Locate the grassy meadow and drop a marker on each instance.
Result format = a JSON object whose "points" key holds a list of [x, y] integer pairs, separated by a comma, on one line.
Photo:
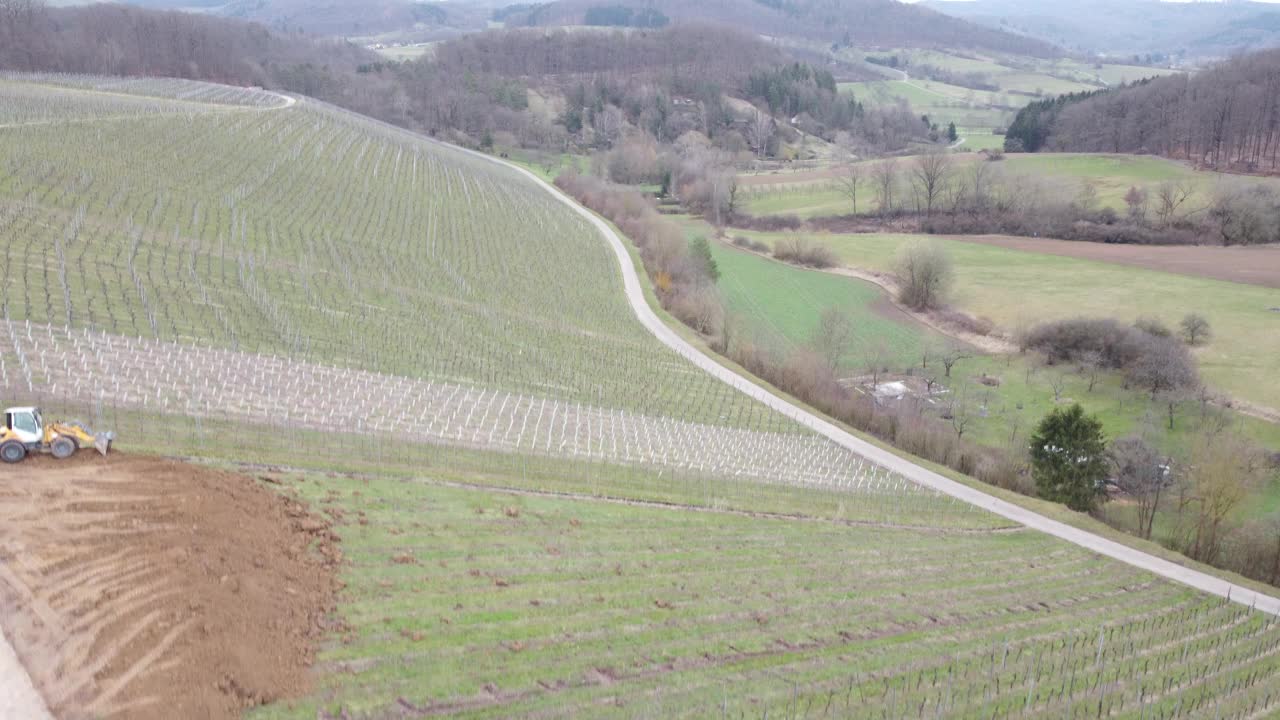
{"points": [[781, 305], [1056, 177], [1015, 288]]}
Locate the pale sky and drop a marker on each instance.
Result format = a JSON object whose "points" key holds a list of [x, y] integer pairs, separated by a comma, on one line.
{"points": [[1033, 1]]}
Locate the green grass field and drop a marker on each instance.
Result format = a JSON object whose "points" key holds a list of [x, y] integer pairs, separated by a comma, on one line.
{"points": [[481, 603], [782, 303], [941, 102], [1018, 79], [1055, 177], [1015, 288], [779, 303]]}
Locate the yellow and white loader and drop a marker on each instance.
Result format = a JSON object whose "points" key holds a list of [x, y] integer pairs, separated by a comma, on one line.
{"points": [[25, 432]]}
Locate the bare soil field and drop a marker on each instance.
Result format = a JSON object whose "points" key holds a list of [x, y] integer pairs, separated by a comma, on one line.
{"points": [[1256, 265], [145, 588]]}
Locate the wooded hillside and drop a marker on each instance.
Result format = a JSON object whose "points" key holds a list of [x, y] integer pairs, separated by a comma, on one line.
{"points": [[1226, 117], [864, 23]]}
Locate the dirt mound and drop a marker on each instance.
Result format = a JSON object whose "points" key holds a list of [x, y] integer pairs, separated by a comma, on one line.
{"points": [[147, 588]]}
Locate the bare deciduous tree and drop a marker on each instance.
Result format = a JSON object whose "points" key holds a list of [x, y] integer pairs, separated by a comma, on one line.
{"points": [[760, 132], [1057, 382], [959, 414], [876, 357], [833, 337], [1195, 329], [930, 175], [1163, 365], [1087, 195], [1170, 196], [884, 177], [1223, 470], [1142, 474], [925, 274], [953, 354], [982, 177], [1136, 200], [849, 180], [1091, 364]]}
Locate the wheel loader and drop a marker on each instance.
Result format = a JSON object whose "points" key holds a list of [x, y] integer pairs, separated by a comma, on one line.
{"points": [[25, 431]]}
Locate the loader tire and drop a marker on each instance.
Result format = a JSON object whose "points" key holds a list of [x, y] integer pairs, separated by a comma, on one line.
{"points": [[12, 451], [63, 447]]}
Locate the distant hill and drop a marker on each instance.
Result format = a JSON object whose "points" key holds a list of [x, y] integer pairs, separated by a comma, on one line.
{"points": [[341, 18], [1225, 117], [1178, 31], [862, 23]]}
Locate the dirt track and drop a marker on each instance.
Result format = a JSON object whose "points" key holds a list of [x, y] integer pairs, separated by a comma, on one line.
{"points": [[145, 588]]}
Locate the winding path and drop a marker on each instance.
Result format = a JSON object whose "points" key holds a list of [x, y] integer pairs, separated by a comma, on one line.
{"points": [[1090, 541]]}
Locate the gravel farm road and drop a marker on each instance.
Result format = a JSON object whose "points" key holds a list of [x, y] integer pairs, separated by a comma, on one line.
{"points": [[1090, 541], [18, 698]]}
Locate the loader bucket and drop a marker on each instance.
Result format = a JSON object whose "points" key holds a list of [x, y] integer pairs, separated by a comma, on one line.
{"points": [[102, 442]]}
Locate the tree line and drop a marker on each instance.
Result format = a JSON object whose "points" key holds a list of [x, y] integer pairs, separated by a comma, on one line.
{"points": [[865, 23], [474, 90], [938, 194]]}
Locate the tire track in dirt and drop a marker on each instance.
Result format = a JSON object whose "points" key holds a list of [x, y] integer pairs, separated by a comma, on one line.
{"points": [[147, 588]]}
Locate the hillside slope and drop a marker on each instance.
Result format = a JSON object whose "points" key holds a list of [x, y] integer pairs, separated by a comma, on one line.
{"points": [[1172, 30], [1226, 117], [272, 280], [863, 23]]}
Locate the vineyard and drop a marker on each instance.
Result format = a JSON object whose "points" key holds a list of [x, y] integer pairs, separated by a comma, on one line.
{"points": [[545, 511], [311, 270], [488, 604]]}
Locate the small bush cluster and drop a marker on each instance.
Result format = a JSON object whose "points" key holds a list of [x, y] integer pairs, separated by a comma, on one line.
{"points": [[801, 251], [747, 243], [1147, 352]]}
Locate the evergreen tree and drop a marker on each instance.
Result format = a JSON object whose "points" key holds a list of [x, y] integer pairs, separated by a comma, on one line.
{"points": [[1068, 458], [952, 135], [700, 251]]}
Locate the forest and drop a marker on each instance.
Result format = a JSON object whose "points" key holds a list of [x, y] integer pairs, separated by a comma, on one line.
{"points": [[599, 86], [1226, 117]]}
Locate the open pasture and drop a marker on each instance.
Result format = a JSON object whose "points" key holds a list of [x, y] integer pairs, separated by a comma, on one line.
{"points": [[781, 304], [1052, 177], [479, 603], [1017, 287], [941, 102]]}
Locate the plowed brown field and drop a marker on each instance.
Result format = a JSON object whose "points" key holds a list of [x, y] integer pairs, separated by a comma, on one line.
{"points": [[137, 587]]}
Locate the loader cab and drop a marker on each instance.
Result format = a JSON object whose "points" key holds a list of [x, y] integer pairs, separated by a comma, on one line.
{"points": [[26, 424]]}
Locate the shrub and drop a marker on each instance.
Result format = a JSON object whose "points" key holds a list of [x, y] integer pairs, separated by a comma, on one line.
{"points": [[749, 244], [967, 323], [1072, 340], [800, 251], [1153, 326], [1195, 329], [925, 274]]}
